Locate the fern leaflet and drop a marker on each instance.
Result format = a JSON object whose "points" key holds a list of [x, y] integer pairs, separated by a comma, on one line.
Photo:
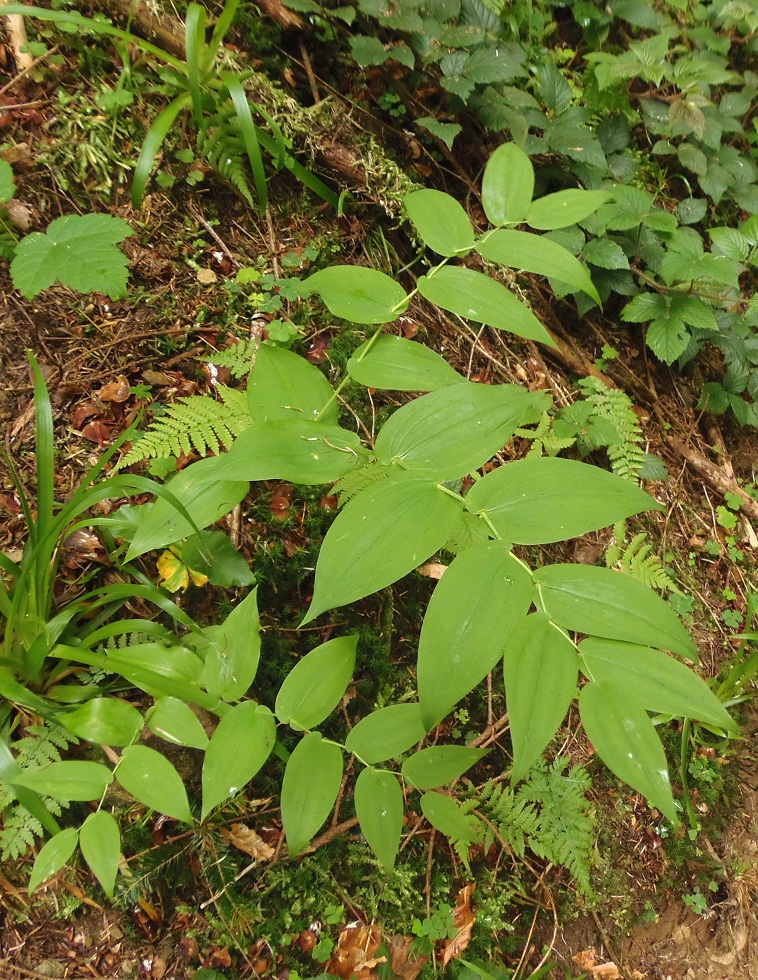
{"points": [[222, 147], [239, 357], [625, 453], [359, 479], [635, 559]]}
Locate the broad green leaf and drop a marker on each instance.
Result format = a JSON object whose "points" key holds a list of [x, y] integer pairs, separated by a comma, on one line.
{"points": [[439, 765], [540, 669], [100, 842], [71, 779], [473, 295], [386, 733], [53, 856], [311, 782], [152, 779], [356, 293], [78, 251], [242, 742], [564, 208], [315, 685], [233, 651], [7, 186], [476, 604], [174, 721], [455, 430], [626, 740], [212, 553], [378, 537], [444, 814], [299, 451], [205, 497], [379, 807], [105, 721], [442, 130], [402, 365], [440, 221], [284, 386], [653, 680], [544, 499], [603, 602], [507, 185], [537, 254], [172, 663]]}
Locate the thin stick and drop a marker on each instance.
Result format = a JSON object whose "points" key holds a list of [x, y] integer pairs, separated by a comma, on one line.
{"points": [[25, 71]]}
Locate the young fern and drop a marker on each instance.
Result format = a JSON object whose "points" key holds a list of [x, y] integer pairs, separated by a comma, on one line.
{"points": [[222, 147], [626, 455], [636, 559], [196, 422], [238, 357]]}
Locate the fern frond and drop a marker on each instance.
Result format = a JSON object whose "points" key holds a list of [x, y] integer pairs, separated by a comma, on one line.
{"points": [[636, 559], [625, 452], [359, 479], [195, 422], [546, 441], [239, 357], [222, 147]]}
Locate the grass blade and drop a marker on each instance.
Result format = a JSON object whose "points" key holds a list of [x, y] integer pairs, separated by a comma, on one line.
{"points": [[223, 24], [153, 142], [194, 43], [250, 137]]}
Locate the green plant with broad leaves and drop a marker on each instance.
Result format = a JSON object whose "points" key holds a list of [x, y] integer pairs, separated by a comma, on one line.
{"points": [[228, 138], [549, 632]]}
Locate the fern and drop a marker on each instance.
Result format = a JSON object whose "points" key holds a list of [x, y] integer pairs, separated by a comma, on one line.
{"points": [[359, 479], [7, 239], [222, 147], [195, 422], [41, 745], [548, 438], [625, 453], [510, 814], [239, 357], [635, 559]]}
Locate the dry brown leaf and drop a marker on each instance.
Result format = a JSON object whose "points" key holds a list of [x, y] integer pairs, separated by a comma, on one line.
{"points": [[432, 569], [247, 840], [355, 952], [115, 391], [402, 966], [464, 918], [587, 960]]}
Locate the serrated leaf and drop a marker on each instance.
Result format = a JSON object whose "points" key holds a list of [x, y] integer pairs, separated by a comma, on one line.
{"points": [[626, 740], [476, 603], [53, 856], [667, 338], [367, 50], [213, 555], [405, 520], [473, 295], [402, 365], [540, 669], [242, 742], [100, 843], [555, 90], [507, 185], [646, 306], [315, 685], [545, 499], [151, 779], [386, 733], [442, 130], [284, 386], [605, 254], [174, 721], [379, 808], [232, 651], [439, 765], [455, 430], [537, 254], [311, 782], [445, 815], [104, 721], [564, 208], [654, 681], [440, 221], [78, 251], [359, 294], [606, 603]]}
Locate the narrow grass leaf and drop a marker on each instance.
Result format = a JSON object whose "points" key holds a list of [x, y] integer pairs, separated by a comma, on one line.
{"points": [[151, 146], [194, 46], [249, 137], [379, 808], [309, 789]]}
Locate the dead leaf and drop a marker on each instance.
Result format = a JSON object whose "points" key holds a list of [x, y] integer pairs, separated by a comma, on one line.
{"points": [[587, 960], [247, 840], [115, 391], [432, 569], [206, 277], [355, 952], [464, 918], [98, 432], [281, 499], [402, 965], [216, 958]]}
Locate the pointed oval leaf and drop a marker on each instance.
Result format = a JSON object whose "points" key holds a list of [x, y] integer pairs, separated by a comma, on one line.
{"points": [[314, 687], [444, 814], [540, 669], [451, 432], [401, 365], [311, 782], [172, 663], [610, 604], [481, 597], [537, 254], [152, 779], [386, 733], [564, 208], [378, 537], [242, 742], [475, 296], [232, 651], [174, 721], [654, 681], [100, 842], [626, 740], [296, 450], [545, 499], [507, 185], [440, 221], [71, 779], [439, 765], [53, 856], [379, 808], [104, 721], [284, 386], [356, 293]]}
